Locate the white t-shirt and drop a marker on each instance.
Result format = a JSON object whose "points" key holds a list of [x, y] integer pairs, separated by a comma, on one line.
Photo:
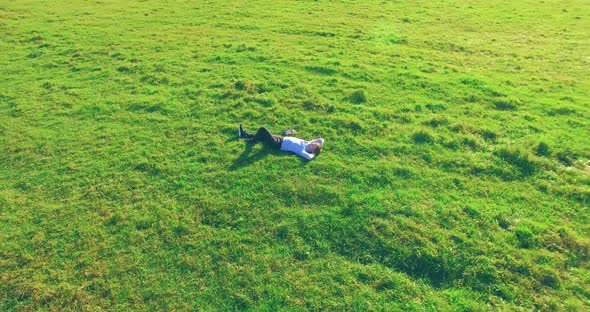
{"points": [[299, 146]]}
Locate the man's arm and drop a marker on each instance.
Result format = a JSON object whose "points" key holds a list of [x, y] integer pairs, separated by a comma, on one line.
{"points": [[320, 141], [307, 155]]}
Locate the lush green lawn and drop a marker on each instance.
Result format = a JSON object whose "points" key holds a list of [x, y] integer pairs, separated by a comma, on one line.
{"points": [[455, 174]]}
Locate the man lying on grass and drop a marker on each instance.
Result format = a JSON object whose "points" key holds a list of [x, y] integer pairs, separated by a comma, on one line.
{"points": [[305, 149]]}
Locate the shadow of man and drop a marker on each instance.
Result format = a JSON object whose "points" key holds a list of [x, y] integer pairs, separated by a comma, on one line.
{"points": [[247, 158]]}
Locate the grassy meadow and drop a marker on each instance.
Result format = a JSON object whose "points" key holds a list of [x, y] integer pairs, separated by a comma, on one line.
{"points": [[455, 174]]}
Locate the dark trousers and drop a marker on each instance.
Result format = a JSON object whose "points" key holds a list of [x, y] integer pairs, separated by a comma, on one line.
{"points": [[264, 136]]}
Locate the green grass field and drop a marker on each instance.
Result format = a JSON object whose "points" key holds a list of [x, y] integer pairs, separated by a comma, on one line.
{"points": [[455, 174]]}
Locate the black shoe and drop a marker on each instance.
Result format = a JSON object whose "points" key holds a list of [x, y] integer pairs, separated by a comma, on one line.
{"points": [[240, 132]]}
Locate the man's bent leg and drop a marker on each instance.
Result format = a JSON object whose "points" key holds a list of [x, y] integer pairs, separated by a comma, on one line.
{"points": [[264, 136]]}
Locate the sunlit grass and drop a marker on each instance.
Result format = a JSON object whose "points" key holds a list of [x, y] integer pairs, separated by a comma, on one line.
{"points": [[455, 174]]}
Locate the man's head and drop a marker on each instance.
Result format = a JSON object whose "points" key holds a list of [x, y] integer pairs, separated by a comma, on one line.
{"points": [[315, 148]]}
